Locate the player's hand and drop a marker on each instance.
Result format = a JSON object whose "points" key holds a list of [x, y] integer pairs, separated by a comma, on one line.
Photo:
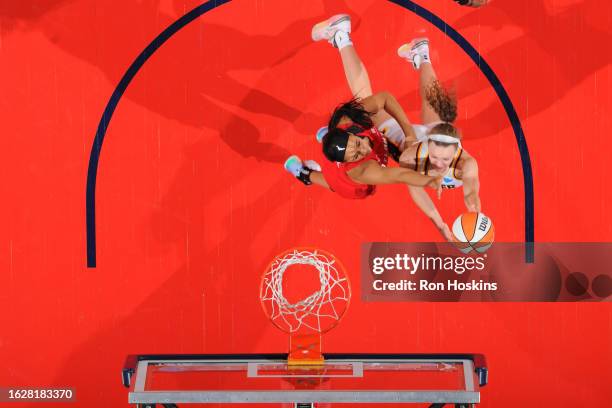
{"points": [[472, 208], [477, 3], [436, 184], [472, 202]]}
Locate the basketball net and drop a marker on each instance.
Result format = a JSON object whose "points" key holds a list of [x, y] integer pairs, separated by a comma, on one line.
{"points": [[316, 313]]}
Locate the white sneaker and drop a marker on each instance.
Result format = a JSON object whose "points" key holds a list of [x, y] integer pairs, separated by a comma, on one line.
{"points": [[295, 166], [416, 51], [326, 30], [312, 165]]}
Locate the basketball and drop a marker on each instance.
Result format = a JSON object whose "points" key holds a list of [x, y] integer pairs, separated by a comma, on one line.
{"points": [[473, 232]]}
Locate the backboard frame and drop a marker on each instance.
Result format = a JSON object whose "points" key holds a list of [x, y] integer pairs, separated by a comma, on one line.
{"points": [[474, 366]]}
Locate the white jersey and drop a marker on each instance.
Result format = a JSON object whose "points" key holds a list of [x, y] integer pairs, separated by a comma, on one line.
{"points": [[393, 132]]}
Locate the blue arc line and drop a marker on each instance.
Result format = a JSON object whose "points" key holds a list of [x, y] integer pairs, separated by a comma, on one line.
{"points": [[94, 158]]}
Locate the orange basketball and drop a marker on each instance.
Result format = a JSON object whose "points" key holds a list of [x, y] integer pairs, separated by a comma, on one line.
{"points": [[474, 232]]}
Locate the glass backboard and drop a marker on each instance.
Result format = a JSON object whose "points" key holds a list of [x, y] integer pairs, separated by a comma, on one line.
{"points": [[269, 379]]}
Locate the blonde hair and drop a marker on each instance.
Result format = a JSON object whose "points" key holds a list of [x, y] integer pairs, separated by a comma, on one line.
{"points": [[444, 128]]}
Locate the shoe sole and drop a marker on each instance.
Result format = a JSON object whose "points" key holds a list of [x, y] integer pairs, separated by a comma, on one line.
{"points": [[404, 50], [330, 22], [321, 133], [288, 160]]}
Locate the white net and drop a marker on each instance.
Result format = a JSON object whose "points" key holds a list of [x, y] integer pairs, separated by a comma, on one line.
{"points": [[318, 312]]}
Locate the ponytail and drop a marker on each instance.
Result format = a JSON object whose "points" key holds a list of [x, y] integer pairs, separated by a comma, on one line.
{"points": [[442, 101], [355, 111]]}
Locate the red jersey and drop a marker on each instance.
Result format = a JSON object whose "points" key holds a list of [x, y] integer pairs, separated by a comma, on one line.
{"points": [[335, 173]]}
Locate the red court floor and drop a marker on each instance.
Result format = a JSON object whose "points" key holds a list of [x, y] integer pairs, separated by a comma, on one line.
{"points": [[192, 200]]}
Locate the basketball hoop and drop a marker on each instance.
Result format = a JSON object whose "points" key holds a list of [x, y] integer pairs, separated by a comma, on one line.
{"points": [[316, 312]]}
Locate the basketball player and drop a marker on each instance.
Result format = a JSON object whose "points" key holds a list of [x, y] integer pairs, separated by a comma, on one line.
{"points": [[433, 148], [438, 149], [358, 152]]}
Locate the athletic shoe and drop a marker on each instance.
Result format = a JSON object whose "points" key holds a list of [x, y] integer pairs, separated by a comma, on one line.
{"points": [[312, 165], [416, 51], [294, 165], [300, 170], [321, 134], [325, 30]]}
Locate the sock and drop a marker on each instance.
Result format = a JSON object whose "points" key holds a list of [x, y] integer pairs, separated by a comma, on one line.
{"points": [[423, 59], [341, 40], [420, 58]]}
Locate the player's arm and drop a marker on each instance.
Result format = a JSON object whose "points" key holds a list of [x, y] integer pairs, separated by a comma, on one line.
{"points": [[424, 202], [372, 173], [387, 102], [316, 177], [471, 185]]}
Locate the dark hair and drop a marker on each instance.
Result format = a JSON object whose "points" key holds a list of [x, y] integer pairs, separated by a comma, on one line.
{"points": [[355, 111], [442, 101], [335, 137]]}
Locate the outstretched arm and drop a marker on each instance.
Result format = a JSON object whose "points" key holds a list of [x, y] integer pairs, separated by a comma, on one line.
{"points": [[471, 185], [424, 202], [317, 178], [371, 173], [387, 102]]}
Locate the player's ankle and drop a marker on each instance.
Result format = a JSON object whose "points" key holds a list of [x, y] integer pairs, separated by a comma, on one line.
{"points": [[419, 60], [341, 39]]}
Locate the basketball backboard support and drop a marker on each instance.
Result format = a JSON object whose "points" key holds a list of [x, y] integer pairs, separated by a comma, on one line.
{"points": [[436, 379]]}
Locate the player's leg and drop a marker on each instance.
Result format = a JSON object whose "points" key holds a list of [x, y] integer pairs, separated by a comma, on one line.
{"points": [[356, 73], [336, 30], [417, 53], [308, 171], [437, 103]]}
